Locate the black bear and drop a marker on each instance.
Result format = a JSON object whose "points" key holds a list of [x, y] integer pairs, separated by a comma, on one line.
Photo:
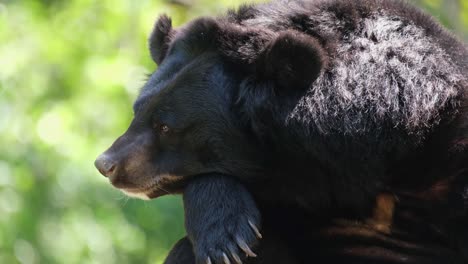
{"points": [[327, 119]]}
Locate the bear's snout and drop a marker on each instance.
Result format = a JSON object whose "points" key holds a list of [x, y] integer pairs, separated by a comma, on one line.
{"points": [[105, 165], [127, 163]]}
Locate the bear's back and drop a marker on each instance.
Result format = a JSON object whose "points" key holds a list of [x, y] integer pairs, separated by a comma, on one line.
{"points": [[390, 64]]}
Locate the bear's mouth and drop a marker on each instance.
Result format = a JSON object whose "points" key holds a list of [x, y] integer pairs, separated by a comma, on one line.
{"points": [[162, 185]]}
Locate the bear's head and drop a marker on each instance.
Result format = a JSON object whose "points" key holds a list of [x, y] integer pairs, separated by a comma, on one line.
{"points": [[190, 116]]}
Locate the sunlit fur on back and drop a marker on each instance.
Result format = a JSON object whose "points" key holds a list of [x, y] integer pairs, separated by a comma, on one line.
{"points": [[389, 63], [388, 70]]}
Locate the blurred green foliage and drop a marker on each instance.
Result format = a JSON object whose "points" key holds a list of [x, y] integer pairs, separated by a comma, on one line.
{"points": [[69, 71]]}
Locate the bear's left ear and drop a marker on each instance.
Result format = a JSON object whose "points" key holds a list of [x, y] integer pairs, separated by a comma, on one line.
{"points": [[292, 60], [160, 38]]}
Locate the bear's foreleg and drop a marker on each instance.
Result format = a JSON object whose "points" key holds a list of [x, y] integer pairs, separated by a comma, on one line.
{"points": [[222, 219]]}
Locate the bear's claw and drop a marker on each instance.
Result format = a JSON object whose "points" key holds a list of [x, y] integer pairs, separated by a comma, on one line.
{"points": [[255, 229], [236, 257], [241, 243], [226, 259]]}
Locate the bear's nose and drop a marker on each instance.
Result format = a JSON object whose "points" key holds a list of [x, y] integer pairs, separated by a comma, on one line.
{"points": [[105, 165]]}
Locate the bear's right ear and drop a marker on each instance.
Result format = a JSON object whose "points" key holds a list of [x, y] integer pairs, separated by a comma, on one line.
{"points": [[160, 38], [292, 60]]}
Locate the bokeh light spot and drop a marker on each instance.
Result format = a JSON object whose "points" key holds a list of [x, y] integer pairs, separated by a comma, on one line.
{"points": [[25, 252]]}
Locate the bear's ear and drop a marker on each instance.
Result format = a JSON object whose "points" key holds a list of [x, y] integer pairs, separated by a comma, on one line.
{"points": [[160, 38], [292, 60], [201, 35]]}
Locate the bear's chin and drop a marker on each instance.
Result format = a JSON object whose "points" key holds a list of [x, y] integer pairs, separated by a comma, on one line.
{"points": [[142, 196], [165, 184]]}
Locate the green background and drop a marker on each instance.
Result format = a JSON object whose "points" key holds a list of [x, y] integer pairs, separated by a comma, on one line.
{"points": [[69, 71]]}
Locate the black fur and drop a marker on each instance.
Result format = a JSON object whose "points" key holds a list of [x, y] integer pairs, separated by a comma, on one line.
{"points": [[181, 253], [316, 107], [271, 251]]}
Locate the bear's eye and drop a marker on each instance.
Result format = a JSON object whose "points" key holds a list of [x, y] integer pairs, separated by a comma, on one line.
{"points": [[162, 128]]}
